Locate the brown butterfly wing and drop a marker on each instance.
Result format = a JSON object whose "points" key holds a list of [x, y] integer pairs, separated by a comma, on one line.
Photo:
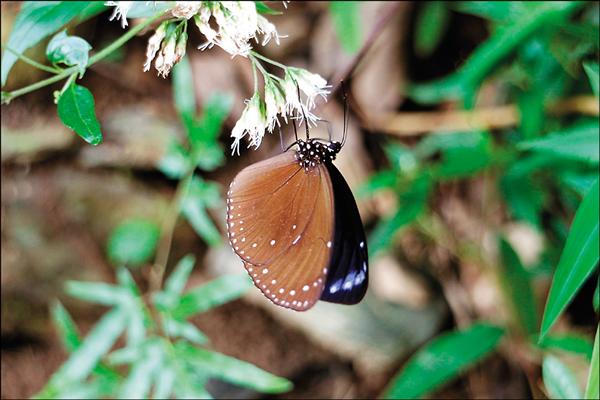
{"points": [[280, 222]]}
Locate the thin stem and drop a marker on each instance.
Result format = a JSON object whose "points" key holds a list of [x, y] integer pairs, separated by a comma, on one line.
{"points": [[94, 59], [275, 63], [31, 62], [254, 63], [68, 83], [168, 226]]}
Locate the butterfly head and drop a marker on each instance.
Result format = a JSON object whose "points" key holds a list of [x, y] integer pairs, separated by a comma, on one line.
{"points": [[313, 152]]}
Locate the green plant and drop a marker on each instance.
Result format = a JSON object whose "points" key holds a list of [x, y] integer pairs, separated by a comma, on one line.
{"points": [[539, 54]]}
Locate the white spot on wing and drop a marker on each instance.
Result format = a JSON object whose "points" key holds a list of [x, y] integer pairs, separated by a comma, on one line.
{"points": [[305, 288], [273, 242]]}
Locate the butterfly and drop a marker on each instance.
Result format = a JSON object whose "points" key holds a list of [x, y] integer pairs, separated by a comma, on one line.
{"points": [[293, 221]]}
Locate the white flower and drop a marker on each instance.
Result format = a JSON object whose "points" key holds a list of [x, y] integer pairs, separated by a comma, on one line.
{"points": [[154, 44], [237, 22], [268, 30], [312, 85], [186, 9], [120, 11], [275, 104], [251, 123], [294, 103], [180, 48], [166, 58]]}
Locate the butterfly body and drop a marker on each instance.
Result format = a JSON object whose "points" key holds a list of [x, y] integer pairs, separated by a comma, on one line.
{"points": [[294, 223]]}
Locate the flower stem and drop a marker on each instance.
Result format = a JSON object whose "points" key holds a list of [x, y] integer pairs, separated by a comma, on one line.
{"points": [[32, 62], [275, 63], [168, 226], [94, 59]]}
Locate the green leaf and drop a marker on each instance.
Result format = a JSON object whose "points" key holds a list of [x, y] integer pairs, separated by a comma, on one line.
{"points": [[164, 383], [502, 43], [521, 192], [216, 110], [35, 21], [431, 25], [571, 343], [578, 260], [463, 154], [517, 285], [178, 278], [559, 380], [201, 195], [133, 242], [175, 163], [208, 156], [443, 359], [183, 329], [211, 295], [77, 111], [98, 292], [69, 50], [262, 8], [413, 202], [97, 343], [232, 370], [143, 9], [183, 89], [580, 142], [592, 71], [592, 390], [346, 20], [497, 11], [596, 299], [138, 382], [380, 180], [65, 326]]}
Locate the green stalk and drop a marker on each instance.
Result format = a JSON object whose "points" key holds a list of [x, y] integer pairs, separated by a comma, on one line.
{"points": [[94, 59]]}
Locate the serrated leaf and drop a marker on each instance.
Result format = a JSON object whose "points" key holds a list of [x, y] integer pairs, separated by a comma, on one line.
{"points": [[592, 390], [212, 294], [443, 359], [559, 380], [37, 20], [233, 370], [66, 327], [517, 285], [77, 111], [578, 260], [133, 242], [592, 70], [69, 50], [346, 20], [178, 278]]}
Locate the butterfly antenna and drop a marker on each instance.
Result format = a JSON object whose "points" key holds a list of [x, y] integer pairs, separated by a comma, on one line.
{"points": [[281, 138], [295, 130], [345, 97], [302, 109]]}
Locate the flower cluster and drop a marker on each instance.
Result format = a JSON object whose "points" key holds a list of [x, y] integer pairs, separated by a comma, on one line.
{"points": [[232, 25], [282, 99]]}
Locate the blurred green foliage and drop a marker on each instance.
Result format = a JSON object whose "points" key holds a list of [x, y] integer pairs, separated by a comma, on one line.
{"points": [[161, 356], [133, 242], [545, 169]]}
